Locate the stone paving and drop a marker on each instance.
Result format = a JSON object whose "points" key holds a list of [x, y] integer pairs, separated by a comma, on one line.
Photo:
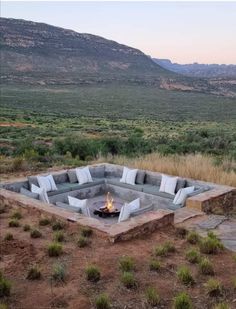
{"points": [[223, 227]]}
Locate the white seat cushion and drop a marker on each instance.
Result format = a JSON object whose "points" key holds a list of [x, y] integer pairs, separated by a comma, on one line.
{"points": [[47, 182], [182, 194], [129, 176], [41, 192], [168, 184], [83, 175], [81, 204]]}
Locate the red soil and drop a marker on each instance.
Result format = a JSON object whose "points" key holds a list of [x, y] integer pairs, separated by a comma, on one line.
{"points": [[17, 255]]}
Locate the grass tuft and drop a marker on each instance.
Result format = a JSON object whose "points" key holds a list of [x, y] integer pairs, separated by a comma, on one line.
{"points": [[58, 225], [209, 245], [34, 273], [8, 237], [59, 272], [193, 256], [126, 263], [59, 236], [54, 249], [26, 227], [86, 232], [154, 265], [206, 267], [193, 237], [16, 215], [182, 301], [185, 276], [82, 242], [5, 286], [152, 297], [128, 280], [44, 221], [221, 306], [213, 287], [102, 302], [14, 223], [93, 273], [35, 233]]}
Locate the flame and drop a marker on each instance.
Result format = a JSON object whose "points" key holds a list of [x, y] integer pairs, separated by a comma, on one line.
{"points": [[109, 202]]}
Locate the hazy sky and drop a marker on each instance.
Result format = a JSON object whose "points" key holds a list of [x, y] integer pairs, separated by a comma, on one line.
{"points": [[184, 32]]}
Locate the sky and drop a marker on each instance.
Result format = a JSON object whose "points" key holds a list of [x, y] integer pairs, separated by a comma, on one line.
{"points": [[184, 32]]}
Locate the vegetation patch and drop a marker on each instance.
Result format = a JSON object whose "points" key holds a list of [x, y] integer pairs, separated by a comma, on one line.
{"points": [[193, 256], [14, 223], [206, 267], [210, 245], [86, 232], [154, 265], [93, 273], [182, 301], [59, 272], [185, 276], [55, 249], [34, 273], [5, 286], [102, 301], [193, 237], [213, 287], [152, 296], [44, 221], [126, 263], [35, 233], [83, 242], [57, 226], [8, 237], [59, 236], [26, 228], [16, 215], [128, 280]]}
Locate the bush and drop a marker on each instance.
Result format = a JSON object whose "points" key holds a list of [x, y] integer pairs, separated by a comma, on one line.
{"points": [[184, 275], [59, 272], [206, 267], [8, 237], [152, 296], [16, 215], [26, 227], [210, 245], [44, 221], [59, 236], [35, 233], [93, 273], [193, 237], [102, 302], [14, 223], [126, 263], [154, 265], [221, 306], [193, 256], [182, 301], [54, 249], [128, 280], [86, 232], [213, 287], [82, 242], [5, 287], [34, 273], [58, 225]]}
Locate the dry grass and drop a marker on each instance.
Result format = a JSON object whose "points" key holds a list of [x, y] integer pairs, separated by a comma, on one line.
{"points": [[192, 166]]}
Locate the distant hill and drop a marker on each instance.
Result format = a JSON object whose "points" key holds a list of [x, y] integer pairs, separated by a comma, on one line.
{"points": [[37, 52], [199, 70]]}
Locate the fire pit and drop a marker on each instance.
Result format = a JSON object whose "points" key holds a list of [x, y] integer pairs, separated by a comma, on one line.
{"points": [[108, 207]]}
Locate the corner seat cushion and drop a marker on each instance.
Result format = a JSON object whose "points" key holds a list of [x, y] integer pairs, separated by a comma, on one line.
{"points": [[154, 190], [116, 182], [67, 207], [174, 207], [61, 188]]}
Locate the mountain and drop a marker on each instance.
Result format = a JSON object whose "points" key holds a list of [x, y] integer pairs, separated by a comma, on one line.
{"points": [[199, 70], [40, 53]]}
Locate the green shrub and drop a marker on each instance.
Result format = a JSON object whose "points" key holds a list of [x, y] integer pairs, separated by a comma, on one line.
{"points": [[54, 249], [16, 215], [193, 256], [206, 267], [128, 280], [102, 302], [5, 287], [210, 245], [8, 237], [34, 273], [58, 236], [184, 275], [14, 223], [86, 231], [35, 233], [26, 227], [59, 272], [93, 273], [221, 306], [154, 265], [57, 226], [193, 237], [182, 301], [152, 297], [126, 263], [213, 287], [44, 221], [82, 242]]}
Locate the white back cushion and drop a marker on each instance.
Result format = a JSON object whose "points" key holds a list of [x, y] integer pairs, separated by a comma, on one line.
{"points": [[124, 213], [81, 204], [83, 175], [182, 194], [129, 176], [168, 184], [41, 192], [47, 182], [134, 205]]}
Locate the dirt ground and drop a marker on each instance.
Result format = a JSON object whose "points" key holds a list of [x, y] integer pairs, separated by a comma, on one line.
{"points": [[17, 255]]}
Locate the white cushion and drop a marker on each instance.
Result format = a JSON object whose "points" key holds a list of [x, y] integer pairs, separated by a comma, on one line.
{"points": [[182, 194], [124, 213], [81, 204], [47, 182], [83, 175], [134, 205], [129, 176], [41, 192], [168, 184]]}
